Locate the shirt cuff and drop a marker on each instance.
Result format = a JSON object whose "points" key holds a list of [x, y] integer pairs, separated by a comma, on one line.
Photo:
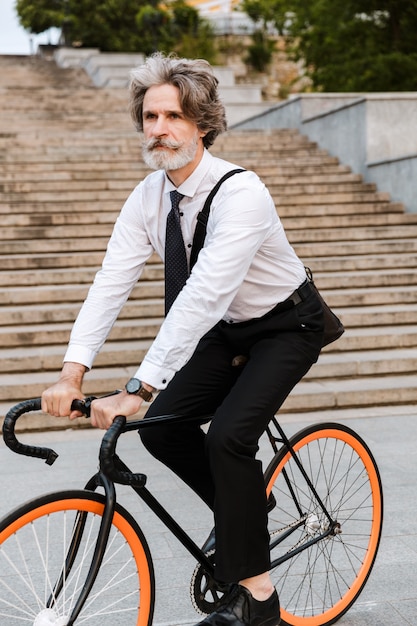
{"points": [[153, 375], [80, 354]]}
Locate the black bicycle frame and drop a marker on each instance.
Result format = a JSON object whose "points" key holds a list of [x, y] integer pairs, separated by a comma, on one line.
{"points": [[106, 480]]}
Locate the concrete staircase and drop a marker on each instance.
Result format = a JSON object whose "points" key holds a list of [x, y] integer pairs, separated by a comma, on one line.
{"points": [[68, 160], [112, 69]]}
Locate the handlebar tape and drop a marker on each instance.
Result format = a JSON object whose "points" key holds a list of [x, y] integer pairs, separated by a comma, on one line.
{"points": [[27, 406], [108, 458]]}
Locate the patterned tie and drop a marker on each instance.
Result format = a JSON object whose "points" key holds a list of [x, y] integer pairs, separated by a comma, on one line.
{"points": [[176, 266]]}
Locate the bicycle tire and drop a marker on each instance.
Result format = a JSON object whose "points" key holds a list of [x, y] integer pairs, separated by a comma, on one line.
{"points": [[34, 541], [318, 585]]}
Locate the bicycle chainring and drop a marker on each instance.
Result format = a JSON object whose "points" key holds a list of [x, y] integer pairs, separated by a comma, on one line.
{"points": [[206, 593]]}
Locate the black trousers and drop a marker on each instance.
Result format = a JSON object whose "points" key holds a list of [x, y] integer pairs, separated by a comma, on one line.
{"points": [[221, 466]]}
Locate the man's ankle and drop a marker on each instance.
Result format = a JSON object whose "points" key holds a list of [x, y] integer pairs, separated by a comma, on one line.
{"points": [[260, 587]]}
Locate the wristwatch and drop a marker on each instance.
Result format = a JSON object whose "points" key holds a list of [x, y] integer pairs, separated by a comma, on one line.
{"points": [[135, 387]]}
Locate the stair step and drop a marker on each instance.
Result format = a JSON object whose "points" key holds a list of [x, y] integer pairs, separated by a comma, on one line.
{"points": [[12, 316], [343, 247], [364, 363], [365, 278], [23, 284], [365, 315], [40, 260], [375, 338], [48, 296], [373, 263], [49, 358], [361, 392], [35, 220], [59, 332]]}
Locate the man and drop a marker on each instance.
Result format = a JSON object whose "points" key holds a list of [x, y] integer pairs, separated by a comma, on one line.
{"points": [[240, 334]]}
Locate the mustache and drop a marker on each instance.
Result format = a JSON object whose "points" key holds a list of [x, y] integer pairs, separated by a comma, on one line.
{"points": [[155, 142]]}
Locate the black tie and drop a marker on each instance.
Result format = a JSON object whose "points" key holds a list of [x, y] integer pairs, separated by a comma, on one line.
{"points": [[176, 266]]}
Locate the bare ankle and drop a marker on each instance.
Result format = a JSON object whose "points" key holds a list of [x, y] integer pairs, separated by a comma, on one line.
{"points": [[260, 586]]}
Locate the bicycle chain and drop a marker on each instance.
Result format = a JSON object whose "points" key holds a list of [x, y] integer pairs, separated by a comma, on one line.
{"points": [[203, 606]]}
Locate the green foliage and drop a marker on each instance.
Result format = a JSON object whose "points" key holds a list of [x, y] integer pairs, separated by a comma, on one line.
{"points": [[349, 45], [36, 17], [153, 24], [267, 12], [263, 13], [123, 25], [194, 35], [260, 51]]}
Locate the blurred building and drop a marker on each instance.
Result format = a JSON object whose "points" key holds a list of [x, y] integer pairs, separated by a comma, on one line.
{"points": [[224, 15]]}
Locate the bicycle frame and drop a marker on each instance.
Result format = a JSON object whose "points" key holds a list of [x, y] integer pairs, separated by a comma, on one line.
{"points": [[113, 470]]}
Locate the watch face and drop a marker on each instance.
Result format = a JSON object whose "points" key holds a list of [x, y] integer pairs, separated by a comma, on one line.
{"points": [[133, 385]]}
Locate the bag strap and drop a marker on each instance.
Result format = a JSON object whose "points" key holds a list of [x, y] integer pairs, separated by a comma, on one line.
{"points": [[203, 215]]}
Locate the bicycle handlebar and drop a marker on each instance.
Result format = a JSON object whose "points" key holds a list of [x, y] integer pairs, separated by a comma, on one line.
{"points": [[110, 464]]}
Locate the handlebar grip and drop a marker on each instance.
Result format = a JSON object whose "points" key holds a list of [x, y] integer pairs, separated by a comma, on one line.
{"points": [[27, 406], [108, 458], [9, 436]]}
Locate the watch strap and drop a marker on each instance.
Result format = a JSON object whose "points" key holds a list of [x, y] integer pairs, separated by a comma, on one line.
{"points": [[145, 394]]}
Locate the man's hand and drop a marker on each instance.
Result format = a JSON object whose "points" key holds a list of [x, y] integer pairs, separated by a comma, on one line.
{"points": [[104, 410], [57, 399]]}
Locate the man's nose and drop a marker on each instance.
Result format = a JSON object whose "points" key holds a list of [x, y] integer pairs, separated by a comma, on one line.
{"points": [[160, 127]]}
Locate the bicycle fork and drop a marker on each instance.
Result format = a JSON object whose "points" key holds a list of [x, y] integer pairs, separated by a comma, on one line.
{"points": [[100, 480], [100, 547]]}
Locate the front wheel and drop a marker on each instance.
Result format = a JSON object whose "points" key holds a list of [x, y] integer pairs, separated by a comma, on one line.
{"points": [[318, 584], [46, 547]]}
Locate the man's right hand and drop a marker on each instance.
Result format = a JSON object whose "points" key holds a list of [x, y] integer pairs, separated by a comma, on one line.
{"points": [[57, 400]]}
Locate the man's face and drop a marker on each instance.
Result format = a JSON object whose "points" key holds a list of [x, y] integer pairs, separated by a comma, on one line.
{"points": [[171, 141]]}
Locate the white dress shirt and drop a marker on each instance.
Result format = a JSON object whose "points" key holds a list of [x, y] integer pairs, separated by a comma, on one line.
{"points": [[245, 268]]}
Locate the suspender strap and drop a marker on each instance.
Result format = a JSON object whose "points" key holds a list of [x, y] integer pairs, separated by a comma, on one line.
{"points": [[202, 218]]}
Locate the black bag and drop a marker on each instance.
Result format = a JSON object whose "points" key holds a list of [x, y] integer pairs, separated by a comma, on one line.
{"points": [[333, 327]]}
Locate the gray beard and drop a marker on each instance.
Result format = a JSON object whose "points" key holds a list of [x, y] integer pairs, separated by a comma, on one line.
{"points": [[161, 160]]}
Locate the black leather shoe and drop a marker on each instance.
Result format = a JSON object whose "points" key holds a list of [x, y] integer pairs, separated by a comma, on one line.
{"points": [[241, 609]]}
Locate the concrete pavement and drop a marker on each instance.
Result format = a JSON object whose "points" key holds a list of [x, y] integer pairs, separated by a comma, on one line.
{"points": [[390, 596]]}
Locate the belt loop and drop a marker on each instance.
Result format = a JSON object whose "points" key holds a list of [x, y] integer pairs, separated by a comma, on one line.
{"points": [[301, 293]]}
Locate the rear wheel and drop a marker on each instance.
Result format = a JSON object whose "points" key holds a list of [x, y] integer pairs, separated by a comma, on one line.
{"points": [[34, 549], [317, 586]]}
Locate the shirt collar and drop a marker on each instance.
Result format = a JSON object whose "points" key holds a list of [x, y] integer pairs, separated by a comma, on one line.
{"points": [[190, 185]]}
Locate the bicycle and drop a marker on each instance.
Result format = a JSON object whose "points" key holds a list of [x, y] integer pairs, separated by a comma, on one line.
{"points": [[78, 556]]}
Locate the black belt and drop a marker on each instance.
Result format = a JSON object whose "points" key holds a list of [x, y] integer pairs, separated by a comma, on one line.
{"points": [[301, 294]]}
